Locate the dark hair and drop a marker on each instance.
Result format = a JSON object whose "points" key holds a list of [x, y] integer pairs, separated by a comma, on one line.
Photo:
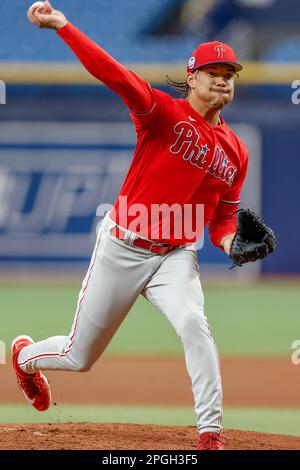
{"points": [[182, 88]]}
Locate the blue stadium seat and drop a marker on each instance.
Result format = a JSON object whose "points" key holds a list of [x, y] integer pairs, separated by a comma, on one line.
{"points": [[123, 28], [287, 50], [120, 27]]}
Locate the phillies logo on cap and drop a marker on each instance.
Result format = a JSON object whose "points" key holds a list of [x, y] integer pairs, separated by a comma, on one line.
{"points": [[192, 62], [220, 50], [210, 53]]}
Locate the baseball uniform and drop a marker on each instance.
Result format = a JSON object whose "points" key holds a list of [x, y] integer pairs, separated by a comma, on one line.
{"points": [[180, 161]]}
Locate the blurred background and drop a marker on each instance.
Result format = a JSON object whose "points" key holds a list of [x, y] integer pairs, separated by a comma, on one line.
{"points": [[66, 142]]}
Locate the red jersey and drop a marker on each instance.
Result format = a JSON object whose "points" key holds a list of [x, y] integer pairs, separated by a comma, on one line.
{"points": [[180, 162]]}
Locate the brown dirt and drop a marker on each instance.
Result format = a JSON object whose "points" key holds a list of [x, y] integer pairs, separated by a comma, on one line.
{"points": [[153, 381], [89, 436], [164, 381]]}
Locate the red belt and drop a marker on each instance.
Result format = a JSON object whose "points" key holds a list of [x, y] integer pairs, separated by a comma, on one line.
{"points": [[147, 245]]}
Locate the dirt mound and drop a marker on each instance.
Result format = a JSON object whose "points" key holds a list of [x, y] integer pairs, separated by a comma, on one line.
{"points": [[88, 436]]}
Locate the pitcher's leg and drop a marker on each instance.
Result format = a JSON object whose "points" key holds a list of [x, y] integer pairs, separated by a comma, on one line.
{"points": [[110, 288], [176, 290]]}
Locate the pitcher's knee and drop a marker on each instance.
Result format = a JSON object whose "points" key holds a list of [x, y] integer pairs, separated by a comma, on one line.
{"points": [[84, 369], [81, 365]]}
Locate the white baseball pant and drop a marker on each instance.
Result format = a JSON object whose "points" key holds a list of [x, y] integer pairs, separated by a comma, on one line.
{"points": [[117, 274]]}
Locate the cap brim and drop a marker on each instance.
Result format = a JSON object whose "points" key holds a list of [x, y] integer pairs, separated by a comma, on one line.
{"points": [[237, 67]]}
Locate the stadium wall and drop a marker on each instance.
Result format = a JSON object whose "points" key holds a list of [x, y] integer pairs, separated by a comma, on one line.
{"points": [[64, 149]]}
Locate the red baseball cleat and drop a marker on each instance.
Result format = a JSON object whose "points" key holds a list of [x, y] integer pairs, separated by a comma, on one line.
{"points": [[34, 387], [210, 441]]}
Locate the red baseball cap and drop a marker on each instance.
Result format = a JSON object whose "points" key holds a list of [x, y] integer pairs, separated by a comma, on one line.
{"points": [[213, 53]]}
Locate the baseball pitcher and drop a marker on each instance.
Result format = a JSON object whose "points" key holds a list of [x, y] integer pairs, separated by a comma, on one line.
{"points": [[186, 159]]}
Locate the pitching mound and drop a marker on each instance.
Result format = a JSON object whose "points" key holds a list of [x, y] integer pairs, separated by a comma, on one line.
{"points": [[88, 436]]}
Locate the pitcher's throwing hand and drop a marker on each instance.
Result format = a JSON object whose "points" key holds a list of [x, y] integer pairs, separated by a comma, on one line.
{"points": [[42, 14]]}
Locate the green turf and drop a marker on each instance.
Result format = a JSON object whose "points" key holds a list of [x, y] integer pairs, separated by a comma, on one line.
{"points": [[261, 420], [262, 320], [276, 421]]}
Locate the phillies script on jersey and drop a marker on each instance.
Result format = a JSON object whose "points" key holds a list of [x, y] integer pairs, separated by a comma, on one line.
{"points": [[185, 173]]}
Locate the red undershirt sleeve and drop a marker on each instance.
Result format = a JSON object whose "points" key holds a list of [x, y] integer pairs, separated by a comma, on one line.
{"points": [[134, 90], [224, 220]]}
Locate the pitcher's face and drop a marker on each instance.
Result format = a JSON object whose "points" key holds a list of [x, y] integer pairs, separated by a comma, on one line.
{"points": [[213, 84]]}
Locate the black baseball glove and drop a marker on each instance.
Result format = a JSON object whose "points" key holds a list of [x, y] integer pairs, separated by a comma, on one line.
{"points": [[253, 239]]}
